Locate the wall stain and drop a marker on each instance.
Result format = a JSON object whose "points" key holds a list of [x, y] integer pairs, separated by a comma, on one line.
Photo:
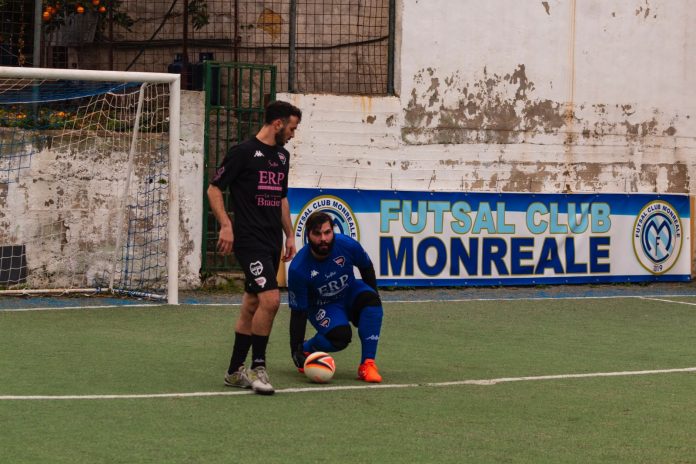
{"points": [[547, 8], [502, 108]]}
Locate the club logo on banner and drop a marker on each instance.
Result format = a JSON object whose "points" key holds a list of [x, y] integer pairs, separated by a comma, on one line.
{"points": [[343, 217], [657, 237]]}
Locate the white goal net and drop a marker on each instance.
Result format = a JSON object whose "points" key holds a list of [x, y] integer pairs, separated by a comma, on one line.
{"points": [[88, 182]]}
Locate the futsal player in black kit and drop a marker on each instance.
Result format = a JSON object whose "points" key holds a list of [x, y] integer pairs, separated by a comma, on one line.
{"points": [[256, 174]]}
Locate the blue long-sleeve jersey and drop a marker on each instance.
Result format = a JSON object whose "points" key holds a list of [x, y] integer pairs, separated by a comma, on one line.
{"points": [[313, 283]]}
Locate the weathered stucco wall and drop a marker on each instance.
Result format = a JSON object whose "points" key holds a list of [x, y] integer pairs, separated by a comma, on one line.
{"points": [[63, 205], [558, 95]]}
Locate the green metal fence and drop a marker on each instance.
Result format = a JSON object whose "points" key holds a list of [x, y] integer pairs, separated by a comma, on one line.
{"points": [[235, 97]]}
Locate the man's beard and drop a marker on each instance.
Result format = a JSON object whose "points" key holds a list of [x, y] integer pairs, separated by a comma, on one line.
{"points": [[280, 138], [322, 249]]}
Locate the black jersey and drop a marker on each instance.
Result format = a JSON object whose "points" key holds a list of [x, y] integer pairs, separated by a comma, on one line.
{"points": [[257, 177]]}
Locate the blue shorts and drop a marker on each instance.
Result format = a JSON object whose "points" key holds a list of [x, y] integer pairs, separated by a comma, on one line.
{"points": [[340, 312]]}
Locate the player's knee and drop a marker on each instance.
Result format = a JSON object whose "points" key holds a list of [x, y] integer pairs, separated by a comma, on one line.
{"points": [[364, 300], [269, 300], [339, 337]]}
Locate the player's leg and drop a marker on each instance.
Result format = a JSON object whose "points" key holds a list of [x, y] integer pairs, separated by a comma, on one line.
{"points": [[259, 307], [333, 330], [236, 372], [366, 314]]}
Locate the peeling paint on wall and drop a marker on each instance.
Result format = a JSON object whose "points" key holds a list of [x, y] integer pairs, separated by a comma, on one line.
{"points": [[502, 108]]}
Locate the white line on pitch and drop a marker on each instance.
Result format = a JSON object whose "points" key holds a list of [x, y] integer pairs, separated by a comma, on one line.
{"points": [[53, 308], [324, 388], [464, 300], [667, 301], [457, 300]]}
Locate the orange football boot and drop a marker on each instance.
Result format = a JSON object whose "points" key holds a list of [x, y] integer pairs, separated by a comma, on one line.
{"points": [[368, 372]]}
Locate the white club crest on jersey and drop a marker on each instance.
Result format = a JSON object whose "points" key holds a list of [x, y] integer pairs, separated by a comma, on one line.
{"points": [[256, 268]]}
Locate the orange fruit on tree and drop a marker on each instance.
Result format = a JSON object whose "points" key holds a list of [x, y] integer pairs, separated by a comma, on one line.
{"points": [[102, 9], [80, 9]]}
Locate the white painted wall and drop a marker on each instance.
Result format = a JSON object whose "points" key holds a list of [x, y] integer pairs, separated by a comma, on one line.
{"points": [[504, 95], [64, 205], [191, 168]]}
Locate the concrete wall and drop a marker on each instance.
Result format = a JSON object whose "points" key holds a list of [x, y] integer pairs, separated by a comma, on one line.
{"points": [[191, 167], [63, 205], [551, 96]]}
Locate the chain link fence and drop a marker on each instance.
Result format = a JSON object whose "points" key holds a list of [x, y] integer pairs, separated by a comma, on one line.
{"points": [[318, 46]]}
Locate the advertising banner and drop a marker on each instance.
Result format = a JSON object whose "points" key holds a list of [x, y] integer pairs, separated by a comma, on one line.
{"points": [[454, 238]]}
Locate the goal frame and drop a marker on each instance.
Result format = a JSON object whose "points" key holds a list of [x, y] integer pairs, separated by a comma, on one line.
{"points": [[174, 82]]}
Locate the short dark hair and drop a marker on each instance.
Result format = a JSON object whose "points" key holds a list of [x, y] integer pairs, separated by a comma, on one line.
{"points": [[316, 220], [281, 110]]}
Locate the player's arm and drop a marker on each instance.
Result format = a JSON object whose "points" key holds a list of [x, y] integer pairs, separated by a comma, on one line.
{"points": [[298, 300], [364, 264], [217, 206], [298, 325], [287, 228], [369, 276]]}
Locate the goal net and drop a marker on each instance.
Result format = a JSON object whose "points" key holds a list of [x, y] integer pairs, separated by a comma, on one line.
{"points": [[89, 182]]}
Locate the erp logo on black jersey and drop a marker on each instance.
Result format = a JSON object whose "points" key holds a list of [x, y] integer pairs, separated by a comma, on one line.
{"points": [[343, 217]]}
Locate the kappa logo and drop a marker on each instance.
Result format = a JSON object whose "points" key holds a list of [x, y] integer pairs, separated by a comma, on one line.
{"points": [[282, 158], [373, 337], [340, 260], [261, 281], [292, 299], [256, 268], [320, 314], [258, 154], [657, 237], [313, 274]]}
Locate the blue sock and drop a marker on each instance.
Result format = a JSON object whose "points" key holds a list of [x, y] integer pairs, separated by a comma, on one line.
{"points": [[318, 343], [369, 329]]}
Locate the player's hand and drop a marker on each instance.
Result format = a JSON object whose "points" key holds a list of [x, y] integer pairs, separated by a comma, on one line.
{"points": [[289, 249], [225, 240], [298, 357]]}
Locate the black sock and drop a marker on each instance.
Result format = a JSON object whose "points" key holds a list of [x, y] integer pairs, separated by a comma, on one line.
{"points": [[242, 343], [258, 350]]}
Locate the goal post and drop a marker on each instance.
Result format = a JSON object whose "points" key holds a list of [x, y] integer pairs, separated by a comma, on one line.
{"points": [[89, 182]]}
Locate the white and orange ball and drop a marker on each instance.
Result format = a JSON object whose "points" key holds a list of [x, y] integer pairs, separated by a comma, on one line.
{"points": [[319, 367]]}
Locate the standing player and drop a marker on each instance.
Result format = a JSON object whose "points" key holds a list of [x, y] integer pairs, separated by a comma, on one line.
{"points": [[322, 288], [256, 173]]}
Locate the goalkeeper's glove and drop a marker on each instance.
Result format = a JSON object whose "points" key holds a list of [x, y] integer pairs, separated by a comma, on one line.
{"points": [[298, 357]]}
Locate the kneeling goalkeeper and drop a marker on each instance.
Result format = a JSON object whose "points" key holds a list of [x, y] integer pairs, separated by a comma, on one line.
{"points": [[322, 288]]}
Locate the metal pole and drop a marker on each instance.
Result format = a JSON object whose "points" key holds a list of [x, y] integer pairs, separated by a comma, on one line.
{"points": [[391, 47], [36, 59], [291, 46]]}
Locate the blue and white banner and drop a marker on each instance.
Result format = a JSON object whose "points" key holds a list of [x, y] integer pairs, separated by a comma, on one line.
{"points": [[450, 239]]}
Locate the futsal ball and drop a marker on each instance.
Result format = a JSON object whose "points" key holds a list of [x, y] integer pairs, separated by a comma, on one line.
{"points": [[319, 367]]}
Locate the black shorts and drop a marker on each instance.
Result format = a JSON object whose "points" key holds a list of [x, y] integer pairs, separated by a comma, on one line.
{"points": [[260, 269]]}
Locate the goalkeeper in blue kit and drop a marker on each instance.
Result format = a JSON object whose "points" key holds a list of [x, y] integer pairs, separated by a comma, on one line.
{"points": [[322, 288]]}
